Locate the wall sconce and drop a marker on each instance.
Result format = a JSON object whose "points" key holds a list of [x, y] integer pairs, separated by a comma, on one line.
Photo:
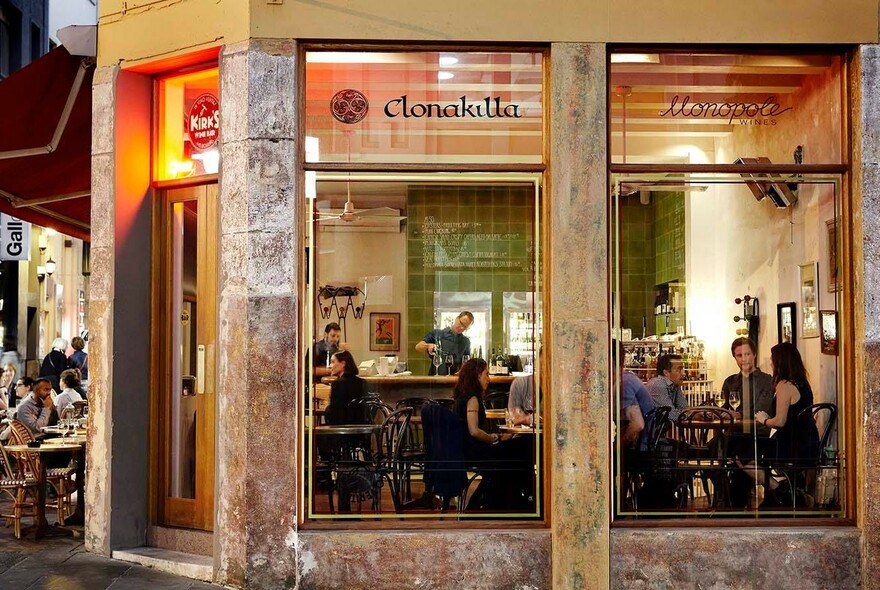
{"points": [[50, 266], [41, 273]]}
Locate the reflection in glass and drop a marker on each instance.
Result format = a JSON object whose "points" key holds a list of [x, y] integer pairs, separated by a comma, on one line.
{"points": [[182, 413]]}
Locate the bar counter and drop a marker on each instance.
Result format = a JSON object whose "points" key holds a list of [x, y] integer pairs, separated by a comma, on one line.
{"points": [[394, 388]]}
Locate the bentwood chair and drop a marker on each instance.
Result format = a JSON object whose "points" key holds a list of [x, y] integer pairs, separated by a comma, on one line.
{"points": [[21, 487], [446, 472], [643, 465], [801, 474], [393, 438], [704, 430], [60, 478]]}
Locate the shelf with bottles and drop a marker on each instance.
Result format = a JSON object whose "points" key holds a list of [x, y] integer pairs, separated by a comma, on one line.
{"points": [[522, 332], [640, 357]]}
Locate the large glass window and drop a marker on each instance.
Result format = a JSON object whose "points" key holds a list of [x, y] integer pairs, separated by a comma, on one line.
{"points": [[450, 259], [728, 309]]}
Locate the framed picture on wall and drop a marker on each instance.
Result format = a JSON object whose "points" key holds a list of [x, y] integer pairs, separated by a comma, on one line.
{"points": [[833, 264], [828, 323], [786, 323], [385, 331], [810, 300]]}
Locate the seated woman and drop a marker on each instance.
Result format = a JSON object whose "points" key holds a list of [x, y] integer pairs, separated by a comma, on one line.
{"points": [[70, 382], [7, 386], [504, 461], [796, 438], [346, 388]]}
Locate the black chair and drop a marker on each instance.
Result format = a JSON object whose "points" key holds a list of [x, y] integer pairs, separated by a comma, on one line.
{"points": [[412, 453], [649, 468], [800, 475], [446, 474], [389, 465], [497, 400], [703, 432]]}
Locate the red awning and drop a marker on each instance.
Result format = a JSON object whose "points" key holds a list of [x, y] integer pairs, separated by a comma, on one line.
{"points": [[45, 142]]}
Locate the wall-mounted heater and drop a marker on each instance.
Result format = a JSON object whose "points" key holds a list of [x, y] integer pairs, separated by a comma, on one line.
{"points": [[781, 194]]}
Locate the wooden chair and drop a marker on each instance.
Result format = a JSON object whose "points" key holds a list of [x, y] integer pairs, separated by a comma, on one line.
{"points": [[393, 438], [80, 408], [21, 489], [704, 430], [60, 478]]}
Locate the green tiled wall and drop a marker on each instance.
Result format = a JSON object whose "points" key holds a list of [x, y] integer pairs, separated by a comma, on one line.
{"points": [[479, 239], [652, 253], [637, 265]]}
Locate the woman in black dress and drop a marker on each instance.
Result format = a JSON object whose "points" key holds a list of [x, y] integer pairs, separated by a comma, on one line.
{"points": [[346, 388], [797, 439], [504, 461]]}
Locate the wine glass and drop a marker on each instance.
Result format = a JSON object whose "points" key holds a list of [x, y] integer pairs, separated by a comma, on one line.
{"points": [[465, 358], [450, 360], [719, 400], [735, 400], [436, 361]]}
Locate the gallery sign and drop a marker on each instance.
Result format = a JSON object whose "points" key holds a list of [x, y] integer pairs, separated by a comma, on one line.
{"points": [[742, 113], [15, 237]]}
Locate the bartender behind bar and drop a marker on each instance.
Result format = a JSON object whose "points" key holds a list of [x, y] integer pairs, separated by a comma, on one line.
{"points": [[448, 341], [322, 350]]}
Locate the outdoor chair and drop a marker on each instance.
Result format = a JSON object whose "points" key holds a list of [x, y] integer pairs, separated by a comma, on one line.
{"points": [[21, 488]]}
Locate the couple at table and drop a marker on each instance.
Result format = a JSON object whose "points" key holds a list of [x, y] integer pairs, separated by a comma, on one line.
{"points": [[767, 402]]}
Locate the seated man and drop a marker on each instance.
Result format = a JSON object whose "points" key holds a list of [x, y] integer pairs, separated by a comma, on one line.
{"points": [[38, 409], [665, 388], [521, 402]]}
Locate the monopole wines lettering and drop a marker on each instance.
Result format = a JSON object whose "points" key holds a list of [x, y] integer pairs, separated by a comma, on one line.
{"points": [[489, 107], [747, 112]]}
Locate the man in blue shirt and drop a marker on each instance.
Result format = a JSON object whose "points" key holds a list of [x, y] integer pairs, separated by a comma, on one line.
{"points": [[449, 340]]}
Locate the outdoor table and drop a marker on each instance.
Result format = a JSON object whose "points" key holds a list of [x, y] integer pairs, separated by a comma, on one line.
{"points": [[42, 524]]}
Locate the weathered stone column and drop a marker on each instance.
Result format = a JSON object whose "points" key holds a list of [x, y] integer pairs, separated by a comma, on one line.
{"points": [[578, 248], [260, 257], [101, 285], [865, 299]]}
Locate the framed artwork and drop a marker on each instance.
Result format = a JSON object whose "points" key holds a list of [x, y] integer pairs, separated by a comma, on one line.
{"points": [[833, 264], [828, 323], [385, 331], [786, 323], [810, 300]]}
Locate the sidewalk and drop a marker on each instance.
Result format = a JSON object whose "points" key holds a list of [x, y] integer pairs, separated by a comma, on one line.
{"points": [[63, 563]]}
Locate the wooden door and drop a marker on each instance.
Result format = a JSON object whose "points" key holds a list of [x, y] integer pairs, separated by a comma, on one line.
{"points": [[187, 318]]}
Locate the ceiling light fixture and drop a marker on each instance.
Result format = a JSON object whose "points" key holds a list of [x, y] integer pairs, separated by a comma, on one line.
{"points": [[448, 60], [445, 75], [635, 58]]}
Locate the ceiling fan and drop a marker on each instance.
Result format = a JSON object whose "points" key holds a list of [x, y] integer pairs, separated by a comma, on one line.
{"points": [[349, 214]]}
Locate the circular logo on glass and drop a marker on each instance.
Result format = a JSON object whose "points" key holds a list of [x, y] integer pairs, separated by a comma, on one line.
{"points": [[349, 106]]}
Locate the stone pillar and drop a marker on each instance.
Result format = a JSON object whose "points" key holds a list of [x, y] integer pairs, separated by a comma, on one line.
{"points": [[865, 206], [260, 257], [119, 303], [101, 285], [579, 340]]}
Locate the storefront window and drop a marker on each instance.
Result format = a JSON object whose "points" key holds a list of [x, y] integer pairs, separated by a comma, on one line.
{"points": [[188, 122], [721, 300], [445, 259], [426, 286]]}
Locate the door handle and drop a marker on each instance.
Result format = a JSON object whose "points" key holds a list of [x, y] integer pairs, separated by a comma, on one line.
{"points": [[200, 370]]}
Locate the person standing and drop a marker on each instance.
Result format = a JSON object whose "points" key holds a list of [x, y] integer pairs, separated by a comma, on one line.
{"points": [[449, 340], [665, 388], [80, 359], [55, 363]]}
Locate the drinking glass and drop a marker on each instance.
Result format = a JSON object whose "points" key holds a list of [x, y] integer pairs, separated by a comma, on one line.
{"points": [[735, 401], [450, 360], [436, 361], [719, 400], [465, 358]]}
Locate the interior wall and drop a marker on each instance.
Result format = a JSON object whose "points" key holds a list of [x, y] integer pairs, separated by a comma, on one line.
{"points": [[740, 246], [348, 258]]}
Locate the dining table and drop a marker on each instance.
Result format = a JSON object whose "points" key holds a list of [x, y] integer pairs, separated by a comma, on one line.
{"points": [[44, 449]]}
